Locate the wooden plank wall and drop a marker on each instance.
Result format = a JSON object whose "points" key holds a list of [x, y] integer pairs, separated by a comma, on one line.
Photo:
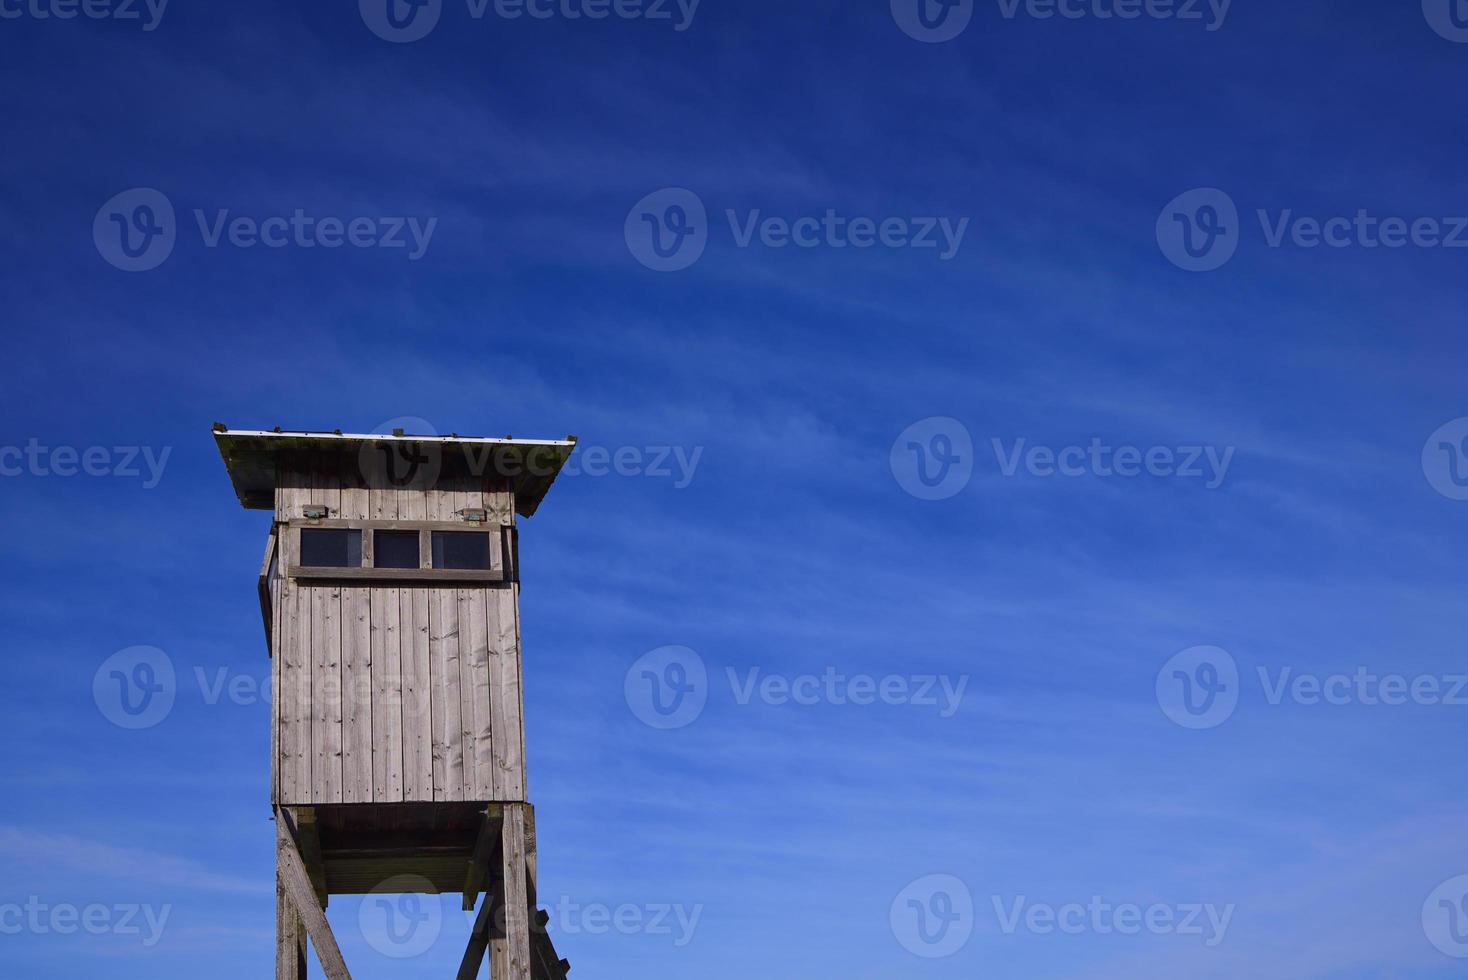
{"points": [[394, 693]]}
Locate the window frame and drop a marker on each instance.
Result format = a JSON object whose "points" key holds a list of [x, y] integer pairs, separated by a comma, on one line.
{"points": [[314, 526], [500, 546], [488, 547]]}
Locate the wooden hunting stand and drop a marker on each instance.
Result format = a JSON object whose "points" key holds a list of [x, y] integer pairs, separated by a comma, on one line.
{"points": [[390, 593]]}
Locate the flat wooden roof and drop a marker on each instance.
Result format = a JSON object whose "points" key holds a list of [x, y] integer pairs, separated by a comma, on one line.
{"points": [[530, 465]]}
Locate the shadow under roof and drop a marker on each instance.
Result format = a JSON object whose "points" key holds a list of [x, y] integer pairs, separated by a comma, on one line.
{"points": [[529, 465]]}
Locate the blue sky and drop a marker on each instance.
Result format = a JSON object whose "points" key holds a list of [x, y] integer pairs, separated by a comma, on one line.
{"points": [[794, 381]]}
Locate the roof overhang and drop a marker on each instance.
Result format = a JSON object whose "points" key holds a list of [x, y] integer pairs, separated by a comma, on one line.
{"points": [[529, 465]]}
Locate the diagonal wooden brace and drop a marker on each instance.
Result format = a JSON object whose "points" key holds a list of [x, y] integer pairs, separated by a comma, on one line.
{"points": [[486, 849], [298, 888]]}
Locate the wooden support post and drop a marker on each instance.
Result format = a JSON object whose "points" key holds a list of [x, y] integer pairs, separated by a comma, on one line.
{"points": [[509, 955], [309, 838], [290, 935], [301, 893], [485, 850]]}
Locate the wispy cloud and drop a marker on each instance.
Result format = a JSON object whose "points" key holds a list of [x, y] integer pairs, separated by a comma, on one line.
{"points": [[53, 852]]}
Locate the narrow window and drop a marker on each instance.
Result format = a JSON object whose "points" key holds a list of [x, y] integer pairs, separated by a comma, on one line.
{"points": [[395, 549], [461, 549], [331, 547]]}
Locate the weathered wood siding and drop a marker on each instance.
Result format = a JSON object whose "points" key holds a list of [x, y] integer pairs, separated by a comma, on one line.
{"points": [[398, 692]]}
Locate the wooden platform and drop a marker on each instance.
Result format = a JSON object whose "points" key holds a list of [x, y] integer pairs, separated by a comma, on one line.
{"points": [[487, 852], [364, 845]]}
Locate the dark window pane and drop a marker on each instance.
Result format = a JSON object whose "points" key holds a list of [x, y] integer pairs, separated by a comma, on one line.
{"points": [[395, 549], [331, 547], [461, 549]]}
